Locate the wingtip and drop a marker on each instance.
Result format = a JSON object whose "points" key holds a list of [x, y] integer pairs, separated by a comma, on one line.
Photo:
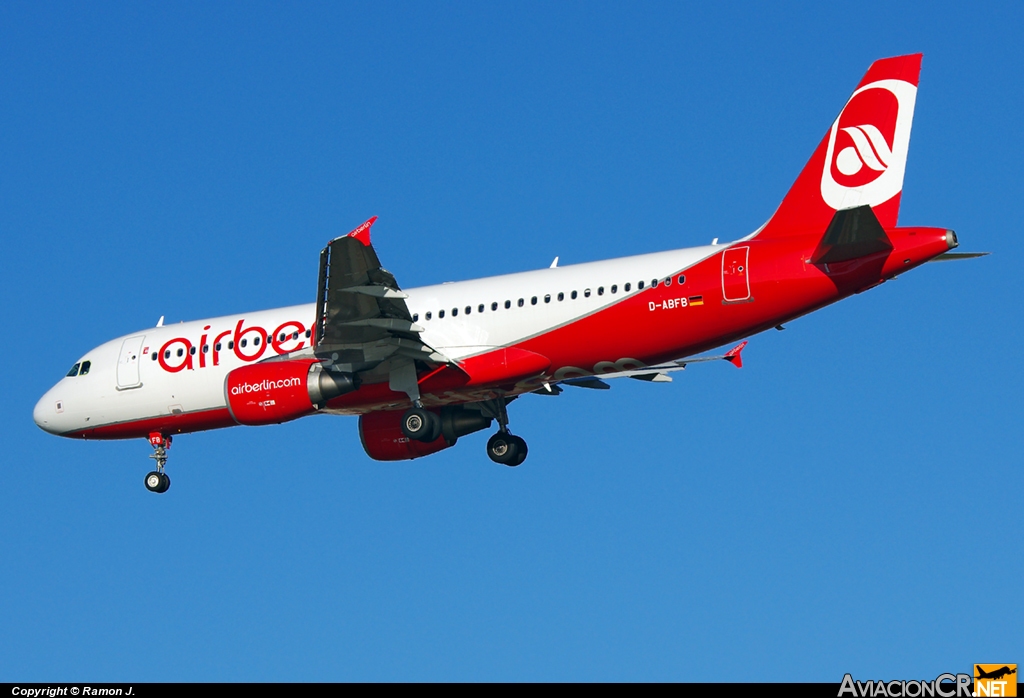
{"points": [[734, 355], [362, 233]]}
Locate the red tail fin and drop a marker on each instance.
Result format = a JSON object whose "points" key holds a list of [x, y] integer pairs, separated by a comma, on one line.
{"points": [[862, 158]]}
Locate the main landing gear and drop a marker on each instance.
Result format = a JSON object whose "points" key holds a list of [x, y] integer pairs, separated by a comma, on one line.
{"points": [[427, 425], [158, 481], [421, 425], [504, 447]]}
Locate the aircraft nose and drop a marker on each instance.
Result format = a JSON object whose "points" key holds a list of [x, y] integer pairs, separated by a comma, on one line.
{"points": [[46, 412]]}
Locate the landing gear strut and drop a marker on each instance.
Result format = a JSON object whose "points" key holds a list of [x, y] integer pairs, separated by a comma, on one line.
{"points": [[158, 481], [504, 447]]}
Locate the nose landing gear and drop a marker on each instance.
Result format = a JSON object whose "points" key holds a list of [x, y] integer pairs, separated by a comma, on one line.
{"points": [[158, 481]]}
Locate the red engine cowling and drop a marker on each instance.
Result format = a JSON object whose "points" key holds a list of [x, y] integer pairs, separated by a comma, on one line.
{"points": [[383, 439], [280, 391]]}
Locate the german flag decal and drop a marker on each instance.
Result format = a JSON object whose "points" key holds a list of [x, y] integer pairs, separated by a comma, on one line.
{"points": [[696, 300]]}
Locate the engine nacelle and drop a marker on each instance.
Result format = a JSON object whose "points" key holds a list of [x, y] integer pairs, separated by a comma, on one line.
{"points": [[280, 391], [382, 437]]}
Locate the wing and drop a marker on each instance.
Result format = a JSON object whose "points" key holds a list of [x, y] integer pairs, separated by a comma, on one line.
{"points": [[653, 374], [361, 315]]}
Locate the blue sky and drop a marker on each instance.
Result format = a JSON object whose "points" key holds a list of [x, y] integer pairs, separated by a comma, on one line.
{"points": [[841, 504]]}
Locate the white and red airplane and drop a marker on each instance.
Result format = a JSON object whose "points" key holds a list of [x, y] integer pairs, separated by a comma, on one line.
{"points": [[424, 366]]}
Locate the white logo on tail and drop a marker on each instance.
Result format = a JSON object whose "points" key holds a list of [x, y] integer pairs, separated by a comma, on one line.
{"points": [[873, 168], [869, 148]]}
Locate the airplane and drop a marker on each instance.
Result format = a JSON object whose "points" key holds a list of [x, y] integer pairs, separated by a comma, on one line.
{"points": [[422, 367], [995, 674]]}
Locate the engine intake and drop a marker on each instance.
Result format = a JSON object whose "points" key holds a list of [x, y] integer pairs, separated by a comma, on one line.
{"points": [[383, 439], [280, 391]]}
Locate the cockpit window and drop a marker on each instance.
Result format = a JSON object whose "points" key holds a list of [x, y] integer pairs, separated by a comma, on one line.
{"points": [[86, 365], [74, 371]]}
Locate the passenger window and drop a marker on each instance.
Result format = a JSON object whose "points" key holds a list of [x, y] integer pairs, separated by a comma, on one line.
{"points": [[469, 309], [167, 354], [295, 335], [256, 342], [640, 286], [668, 280], [428, 314], [153, 356], [533, 301], [309, 333], [192, 351], [494, 305], [574, 294], [654, 283], [547, 298], [206, 348], [231, 344], [244, 343], [586, 293], [682, 279], [600, 290], [74, 371], [480, 308], [455, 311], [561, 296], [520, 303], [181, 352], [440, 314], [626, 288], [415, 317], [615, 289], [508, 304], [217, 346]]}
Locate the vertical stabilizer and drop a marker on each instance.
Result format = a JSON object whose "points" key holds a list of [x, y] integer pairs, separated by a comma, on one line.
{"points": [[861, 159]]}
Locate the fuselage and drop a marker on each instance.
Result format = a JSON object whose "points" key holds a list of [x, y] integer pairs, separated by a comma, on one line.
{"points": [[592, 318]]}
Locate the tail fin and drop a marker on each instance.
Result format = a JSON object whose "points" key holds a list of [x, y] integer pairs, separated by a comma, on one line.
{"points": [[862, 158]]}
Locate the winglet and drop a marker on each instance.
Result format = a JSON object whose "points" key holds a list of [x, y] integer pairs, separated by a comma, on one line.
{"points": [[733, 355], [362, 233]]}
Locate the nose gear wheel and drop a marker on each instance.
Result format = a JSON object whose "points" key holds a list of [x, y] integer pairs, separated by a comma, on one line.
{"points": [[158, 481]]}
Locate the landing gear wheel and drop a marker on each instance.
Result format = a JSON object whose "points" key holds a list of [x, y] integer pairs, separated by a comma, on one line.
{"points": [[503, 448], [521, 451], [421, 425], [157, 482]]}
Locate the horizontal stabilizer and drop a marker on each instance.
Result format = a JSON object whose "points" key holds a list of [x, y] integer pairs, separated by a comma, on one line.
{"points": [[853, 233], [954, 256]]}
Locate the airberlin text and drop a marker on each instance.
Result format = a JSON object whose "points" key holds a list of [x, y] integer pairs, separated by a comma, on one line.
{"points": [[943, 686], [265, 385], [247, 343], [667, 304]]}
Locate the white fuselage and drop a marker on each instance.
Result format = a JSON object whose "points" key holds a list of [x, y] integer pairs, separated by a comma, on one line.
{"points": [[181, 368]]}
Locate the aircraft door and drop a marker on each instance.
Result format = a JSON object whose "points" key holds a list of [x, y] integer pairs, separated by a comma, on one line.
{"points": [[735, 276], [128, 363]]}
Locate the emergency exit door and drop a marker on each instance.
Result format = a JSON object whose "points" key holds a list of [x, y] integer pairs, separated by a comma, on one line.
{"points": [[128, 363], [735, 275]]}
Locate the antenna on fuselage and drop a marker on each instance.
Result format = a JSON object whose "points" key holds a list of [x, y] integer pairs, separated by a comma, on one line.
{"points": [[554, 264], [160, 322]]}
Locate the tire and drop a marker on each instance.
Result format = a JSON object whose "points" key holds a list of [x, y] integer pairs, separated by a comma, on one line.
{"points": [[521, 449], [154, 481], [503, 448], [421, 425], [166, 484]]}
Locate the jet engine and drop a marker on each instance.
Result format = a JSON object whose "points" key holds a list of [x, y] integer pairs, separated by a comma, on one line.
{"points": [[280, 391], [382, 437]]}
